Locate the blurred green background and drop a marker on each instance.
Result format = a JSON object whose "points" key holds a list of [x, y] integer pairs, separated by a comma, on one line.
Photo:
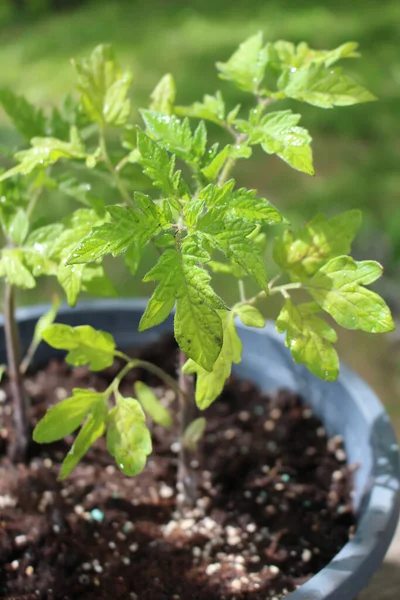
{"points": [[356, 149]]}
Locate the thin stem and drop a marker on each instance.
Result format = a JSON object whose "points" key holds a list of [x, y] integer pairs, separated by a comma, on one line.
{"points": [[19, 447], [113, 171], [242, 290], [279, 289], [33, 201], [186, 480]]}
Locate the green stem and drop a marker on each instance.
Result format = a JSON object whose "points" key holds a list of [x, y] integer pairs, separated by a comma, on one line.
{"points": [[113, 172], [18, 448], [186, 479], [242, 291], [279, 289]]}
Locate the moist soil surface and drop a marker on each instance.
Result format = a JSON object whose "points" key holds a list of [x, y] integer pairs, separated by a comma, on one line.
{"points": [[274, 502]]}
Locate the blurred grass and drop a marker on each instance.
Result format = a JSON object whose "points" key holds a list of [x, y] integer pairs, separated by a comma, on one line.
{"points": [[356, 149]]}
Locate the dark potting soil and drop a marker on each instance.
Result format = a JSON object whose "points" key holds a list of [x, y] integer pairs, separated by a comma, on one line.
{"points": [[274, 503]]}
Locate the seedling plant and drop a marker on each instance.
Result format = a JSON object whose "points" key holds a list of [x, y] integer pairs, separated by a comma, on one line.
{"points": [[200, 223]]}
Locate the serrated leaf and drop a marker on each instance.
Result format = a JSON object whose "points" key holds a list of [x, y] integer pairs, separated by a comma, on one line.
{"points": [[286, 54], [323, 87], [198, 328], [70, 279], [278, 133], [64, 418], [152, 405], [303, 252], [242, 204], [104, 87], [158, 165], [249, 315], [169, 132], [209, 384], [128, 226], [212, 109], [246, 67], [13, 269], [199, 142], [338, 288], [44, 152], [28, 120], [310, 340], [84, 344], [231, 238], [163, 95], [215, 166], [128, 438], [93, 429], [194, 433]]}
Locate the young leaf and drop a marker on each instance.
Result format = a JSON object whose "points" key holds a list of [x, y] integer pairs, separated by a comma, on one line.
{"points": [[303, 252], [64, 418], [158, 165], [193, 434], [239, 204], [287, 55], [278, 133], [198, 327], [18, 227], [209, 384], [14, 271], [152, 405], [104, 87], [28, 120], [246, 67], [215, 166], [169, 132], [46, 151], [93, 429], [85, 345], [249, 315], [323, 87], [232, 238], [163, 95], [128, 438], [129, 226], [309, 339], [338, 288], [212, 109]]}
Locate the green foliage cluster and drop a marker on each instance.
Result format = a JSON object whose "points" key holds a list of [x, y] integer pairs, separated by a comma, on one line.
{"points": [[198, 220]]}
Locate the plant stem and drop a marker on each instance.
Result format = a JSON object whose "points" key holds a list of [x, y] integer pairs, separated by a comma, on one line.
{"points": [[19, 447], [114, 172], [279, 289], [186, 480], [242, 291]]}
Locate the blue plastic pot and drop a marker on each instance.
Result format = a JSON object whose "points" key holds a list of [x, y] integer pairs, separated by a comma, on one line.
{"points": [[347, 407]]}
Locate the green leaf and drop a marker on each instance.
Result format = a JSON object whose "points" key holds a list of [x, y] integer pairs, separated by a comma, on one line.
{"points": [[129, 226], [64, 418], [152, 405], [232, 238], [85, 345], [337, 288], [28, 120], [246, 67], [93, 429], [70, 279], [287, 55], [44, 152], [14, 271], [128, 438], [309, 339], [209, 384], [278, 133], [45, 321], [132, 258], [104, 87], [96, 282], [163, 95], [169, 132], [212, 109], [323, 87], [198, 328], [239, 204], [303, 252], [158, 165], [215, 166], [199, 143], [193, 433], [18, 227], [249, 315]]}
